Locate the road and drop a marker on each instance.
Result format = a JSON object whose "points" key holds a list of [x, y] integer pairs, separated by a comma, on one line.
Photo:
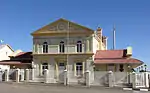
{"points": [[26, 88]]}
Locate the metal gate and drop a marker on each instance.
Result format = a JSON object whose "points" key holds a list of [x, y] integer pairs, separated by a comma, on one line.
{"points": [[12, 74], [141, 80], [2, 75]]}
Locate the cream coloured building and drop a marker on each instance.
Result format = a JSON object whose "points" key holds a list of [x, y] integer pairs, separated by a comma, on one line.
{"points": [[64, 45]]}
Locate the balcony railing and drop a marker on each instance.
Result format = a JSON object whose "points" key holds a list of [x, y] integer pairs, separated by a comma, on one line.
{"points": [[54, 49]]}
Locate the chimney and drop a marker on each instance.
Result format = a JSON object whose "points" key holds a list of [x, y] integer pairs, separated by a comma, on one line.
{"points": [[104, 40], [99, 32], [129, 51]]}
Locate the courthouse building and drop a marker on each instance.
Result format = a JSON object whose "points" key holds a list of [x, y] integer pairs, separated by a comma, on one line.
{"points": [[63, 44]]}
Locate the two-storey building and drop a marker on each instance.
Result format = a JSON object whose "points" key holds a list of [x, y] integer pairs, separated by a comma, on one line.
{"points": [[67, 45]]}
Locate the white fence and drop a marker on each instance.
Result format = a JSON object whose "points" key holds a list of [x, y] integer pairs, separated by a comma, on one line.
{"points": [[141, 80], [95, 78], [76, 77], [100, 78]]}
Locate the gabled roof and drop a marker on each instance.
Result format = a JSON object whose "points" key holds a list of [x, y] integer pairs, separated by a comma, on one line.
{"points": [[59, 20], [4, 45], [114, 56]]}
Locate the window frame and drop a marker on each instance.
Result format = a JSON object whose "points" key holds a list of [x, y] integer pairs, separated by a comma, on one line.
{"points": [[62, 47], [79, 46], [79, 68], [45, 47]]}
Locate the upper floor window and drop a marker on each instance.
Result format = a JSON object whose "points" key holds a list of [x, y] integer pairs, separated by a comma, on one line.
{"points": [[61, 47], [45, 47], [79, 46]]}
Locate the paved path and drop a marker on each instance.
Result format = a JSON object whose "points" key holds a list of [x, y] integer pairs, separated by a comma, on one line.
{"points": [[24, 88]]}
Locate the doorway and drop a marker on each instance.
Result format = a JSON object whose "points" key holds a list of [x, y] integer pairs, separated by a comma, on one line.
{"points": [[61, 68], [79, 68], [44, 66]]}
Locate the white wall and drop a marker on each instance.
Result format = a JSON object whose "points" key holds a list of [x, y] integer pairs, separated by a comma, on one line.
{"points": [[5, 52], [4, 67], [95, 44]]}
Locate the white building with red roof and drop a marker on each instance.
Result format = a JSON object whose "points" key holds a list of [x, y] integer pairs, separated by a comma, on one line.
{"points": [[14, 59]]}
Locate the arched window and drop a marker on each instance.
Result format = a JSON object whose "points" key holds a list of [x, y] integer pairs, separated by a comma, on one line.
{"points": [[79, 46], [45, 47], [61, 47]]}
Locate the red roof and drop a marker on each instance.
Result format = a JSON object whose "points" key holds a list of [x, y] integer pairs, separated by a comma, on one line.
{"points": [[23, 55], [22, 58], [109, 53], [114, 56], [9, 62]]}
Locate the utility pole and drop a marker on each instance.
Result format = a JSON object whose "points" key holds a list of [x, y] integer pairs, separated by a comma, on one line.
{"points": [[68, 44], [114, 37], [67, 68]]}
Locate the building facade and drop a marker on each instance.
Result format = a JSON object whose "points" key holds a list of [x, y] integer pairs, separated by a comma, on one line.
{"points": [[67, 45]]}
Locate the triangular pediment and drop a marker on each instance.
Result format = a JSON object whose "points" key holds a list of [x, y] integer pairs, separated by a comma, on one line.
{"points": [[63, 25]]}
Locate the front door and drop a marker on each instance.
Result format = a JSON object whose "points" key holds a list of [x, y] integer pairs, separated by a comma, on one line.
{"points": [[44, 66], [61, 68]]}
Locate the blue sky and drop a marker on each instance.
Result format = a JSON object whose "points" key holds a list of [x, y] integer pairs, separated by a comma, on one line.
{"points": [[18, 18]]}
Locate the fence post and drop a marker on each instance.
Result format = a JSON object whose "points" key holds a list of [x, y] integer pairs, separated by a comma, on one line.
{"points": [[146, 79], [6, 75], [46, 75], [17, 75], [33, 72], [65, 78], [133, 80], [87, 77], [27, 75], [22, 75], [110, 79]]}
